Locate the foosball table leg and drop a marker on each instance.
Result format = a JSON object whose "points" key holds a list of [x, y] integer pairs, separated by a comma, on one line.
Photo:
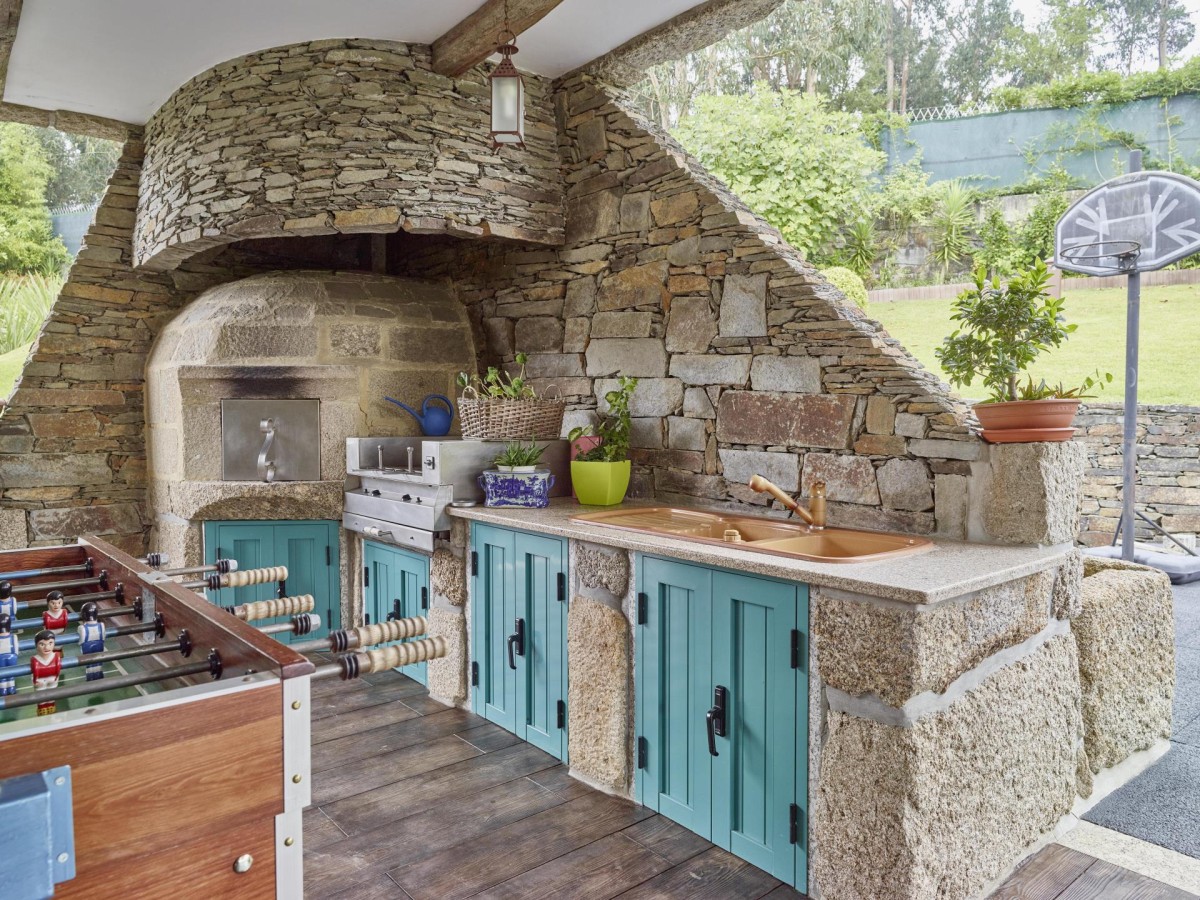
{"points": [[297, 787]]}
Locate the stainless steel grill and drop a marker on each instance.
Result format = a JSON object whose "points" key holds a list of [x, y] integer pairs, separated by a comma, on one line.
{"points": [[398, 488]]}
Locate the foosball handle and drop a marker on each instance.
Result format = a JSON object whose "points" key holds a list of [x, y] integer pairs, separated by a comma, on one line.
{"points": [[393, 656], [248, 577], [280, 606], [379, 633]]}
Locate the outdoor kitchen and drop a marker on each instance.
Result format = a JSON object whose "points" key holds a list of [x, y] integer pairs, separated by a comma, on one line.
{"points": [[306, 254]]}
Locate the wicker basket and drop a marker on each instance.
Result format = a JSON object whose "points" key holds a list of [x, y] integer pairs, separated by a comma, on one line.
{"points": [[510, 420]]}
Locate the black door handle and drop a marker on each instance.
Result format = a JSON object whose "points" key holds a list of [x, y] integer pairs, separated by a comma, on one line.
{"points": [[395, 613], [714, 719], [516, 641]]}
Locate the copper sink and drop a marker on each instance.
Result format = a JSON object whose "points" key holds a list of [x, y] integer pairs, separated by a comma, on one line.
{"points": [[794, 539]]}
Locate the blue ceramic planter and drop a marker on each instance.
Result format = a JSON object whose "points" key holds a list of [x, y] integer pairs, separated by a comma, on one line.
{"points": [[527, 490]]}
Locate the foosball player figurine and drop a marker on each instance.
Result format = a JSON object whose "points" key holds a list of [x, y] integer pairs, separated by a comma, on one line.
{"points": [[8, 652], [55, 617], [8, 603], [91, 638], [45, 666]]}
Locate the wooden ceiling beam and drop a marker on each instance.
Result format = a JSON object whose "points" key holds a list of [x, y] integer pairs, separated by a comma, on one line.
{"points": [[474, 39]]}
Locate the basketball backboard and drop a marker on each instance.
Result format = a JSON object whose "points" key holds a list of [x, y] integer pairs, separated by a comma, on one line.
{"points": [[1135, 223]]}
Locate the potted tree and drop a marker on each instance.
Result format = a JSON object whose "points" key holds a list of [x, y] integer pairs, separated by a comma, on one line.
{"points": [[600, 475], [1002, 330]]}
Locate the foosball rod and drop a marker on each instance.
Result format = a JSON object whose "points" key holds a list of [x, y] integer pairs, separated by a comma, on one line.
{"points": [[182, 644], [8, 589], [212, 665], [221, 565], [381, 659], [117, 593], [306, 623], [269, 609], [157, 626], [87, 567], [215, 581], [106, 613], [365, 636]]}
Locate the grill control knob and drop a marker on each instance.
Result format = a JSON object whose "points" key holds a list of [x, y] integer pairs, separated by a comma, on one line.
{"points": [[406, 497], [374, 493]]}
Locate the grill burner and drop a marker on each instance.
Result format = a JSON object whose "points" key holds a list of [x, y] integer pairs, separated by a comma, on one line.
{"points": [[398, 489]]}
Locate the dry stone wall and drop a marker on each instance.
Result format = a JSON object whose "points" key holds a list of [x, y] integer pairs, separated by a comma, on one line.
{"points": [[1168, 483], [340, 136], [748, 361]]}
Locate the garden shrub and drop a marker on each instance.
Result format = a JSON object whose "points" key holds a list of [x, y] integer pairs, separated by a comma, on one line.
{"points": [[848, 283]]}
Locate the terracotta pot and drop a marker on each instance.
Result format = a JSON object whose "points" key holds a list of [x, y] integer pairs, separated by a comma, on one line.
{"points": [[1022, 421]]}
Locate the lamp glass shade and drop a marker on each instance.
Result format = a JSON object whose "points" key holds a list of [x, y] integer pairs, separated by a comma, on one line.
{"points": [[508, 106]]}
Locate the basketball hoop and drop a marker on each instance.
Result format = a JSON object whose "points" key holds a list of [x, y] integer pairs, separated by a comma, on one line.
{"points": [[1093, 253]]}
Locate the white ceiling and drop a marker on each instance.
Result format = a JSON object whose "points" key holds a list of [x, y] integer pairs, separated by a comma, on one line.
{"points": [[123, 58]]}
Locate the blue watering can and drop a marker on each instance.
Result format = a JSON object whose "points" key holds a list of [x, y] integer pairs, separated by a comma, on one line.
{"points": [[434, 420]]}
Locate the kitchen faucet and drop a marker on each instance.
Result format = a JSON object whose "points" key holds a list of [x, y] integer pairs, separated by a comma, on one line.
{"points": [[814, 515]]}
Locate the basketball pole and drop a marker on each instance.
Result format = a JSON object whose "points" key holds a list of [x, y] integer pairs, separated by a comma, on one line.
{"points": [[1129, 432]]}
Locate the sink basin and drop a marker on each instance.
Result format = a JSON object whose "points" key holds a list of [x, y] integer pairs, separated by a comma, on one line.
{"points": [[794, 539]]}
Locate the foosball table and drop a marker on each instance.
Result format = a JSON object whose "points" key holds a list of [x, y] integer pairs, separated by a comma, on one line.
{"points": [[170, 755]]}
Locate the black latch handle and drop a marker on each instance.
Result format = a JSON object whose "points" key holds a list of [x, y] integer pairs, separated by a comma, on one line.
{"points": [[714, 719], [516, 641]]}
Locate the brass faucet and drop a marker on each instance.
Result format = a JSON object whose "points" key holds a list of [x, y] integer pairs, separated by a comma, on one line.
{"points": [[814, 515]]}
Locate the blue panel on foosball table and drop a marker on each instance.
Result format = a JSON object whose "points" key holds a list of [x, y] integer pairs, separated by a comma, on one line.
{"points": [[37, 832]]}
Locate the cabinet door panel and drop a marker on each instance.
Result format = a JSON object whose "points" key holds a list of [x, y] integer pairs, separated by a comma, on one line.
{"points": [[494, 617], [252, 545], [543, 667], [754, 778], [301, 546], [410, 582], [675, 649]]}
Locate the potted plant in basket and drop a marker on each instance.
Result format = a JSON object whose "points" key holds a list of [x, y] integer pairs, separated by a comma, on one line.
{"points": [[600, 475], [503, 406], [517, 480], [1002, 330]]}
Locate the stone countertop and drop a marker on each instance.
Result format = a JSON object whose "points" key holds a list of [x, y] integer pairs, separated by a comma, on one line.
{"points": [[950, 569]]}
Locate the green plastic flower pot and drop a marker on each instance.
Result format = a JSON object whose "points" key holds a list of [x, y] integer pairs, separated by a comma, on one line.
{"points": [[600, 483]]}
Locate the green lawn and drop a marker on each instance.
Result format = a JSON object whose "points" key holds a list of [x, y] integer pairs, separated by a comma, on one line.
{"points": [[1170, 341], [10, 368]]}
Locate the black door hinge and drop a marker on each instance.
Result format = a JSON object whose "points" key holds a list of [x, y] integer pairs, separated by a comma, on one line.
{"points": [[474, 562], [795, 820], [643, 753], [562, 587], [474, 674], [562, 714], [328, 556], [366, 618], [366, 576], [643, 613], [424, 598], [797, 649]]}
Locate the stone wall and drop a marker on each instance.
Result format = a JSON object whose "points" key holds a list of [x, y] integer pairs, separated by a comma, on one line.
{"points": [[340, 135], [1168, 485], [748, 361]]}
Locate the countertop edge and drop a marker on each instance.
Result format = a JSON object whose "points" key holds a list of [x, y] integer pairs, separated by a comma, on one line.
{"points": [[842, 576]]}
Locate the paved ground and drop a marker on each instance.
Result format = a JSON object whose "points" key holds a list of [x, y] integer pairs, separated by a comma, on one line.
{"points": [[1162, 805]]}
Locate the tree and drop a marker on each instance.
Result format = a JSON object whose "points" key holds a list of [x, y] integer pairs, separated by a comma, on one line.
{"points": [[81, 166], [26, 242], [801, 165], [1140, 28], [1060, 47]]}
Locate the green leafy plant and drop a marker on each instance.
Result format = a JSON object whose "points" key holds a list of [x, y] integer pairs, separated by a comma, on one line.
{"points": [[25, 302], [951, 222], [614, 429], [848, 283], [861, 247], [497, 384], [1035, 240], [1003, 329], [1044, 391], [515, 453], [996, 256]]}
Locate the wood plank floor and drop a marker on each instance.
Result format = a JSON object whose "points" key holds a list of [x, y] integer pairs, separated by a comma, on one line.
{"points": [[417, 800]]}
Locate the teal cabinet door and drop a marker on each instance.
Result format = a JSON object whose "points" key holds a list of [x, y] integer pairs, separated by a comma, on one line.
{"points": [[395, 585], [308, 549], [494, 622], [519, 635], [675, 691], [722, 710], [542, 668], [759, 772]]}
